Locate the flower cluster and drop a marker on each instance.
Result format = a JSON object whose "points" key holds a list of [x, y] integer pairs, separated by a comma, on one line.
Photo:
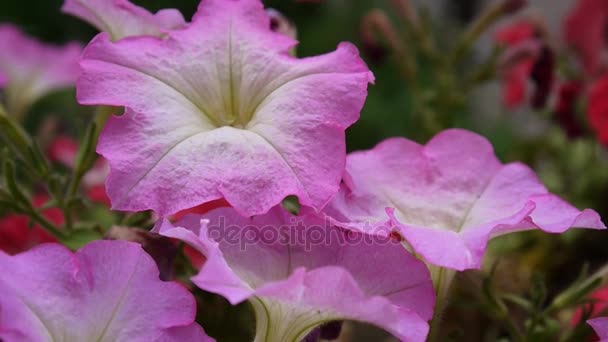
{"points": [[532, 56], [218, 129]]}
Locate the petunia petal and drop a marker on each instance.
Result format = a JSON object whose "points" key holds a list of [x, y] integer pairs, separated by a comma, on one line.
{"points": [[121, 18], [600, 325], [448, 198], [299, 272], [107, 291], [220, 110], [34, 69]]}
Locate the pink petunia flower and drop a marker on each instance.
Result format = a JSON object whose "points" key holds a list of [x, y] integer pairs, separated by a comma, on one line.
{"points": [[448, 198], [600, 325], [121, 18], [107, 291], [299, 272], [585, 30], [34, 69], [220, 110]]}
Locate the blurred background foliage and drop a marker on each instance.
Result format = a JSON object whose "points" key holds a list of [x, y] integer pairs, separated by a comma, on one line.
{"points": [[575, 169]]}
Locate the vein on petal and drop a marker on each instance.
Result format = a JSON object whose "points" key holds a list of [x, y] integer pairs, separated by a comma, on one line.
{"points": [[278, 151], [120, 300], [37, 316], [403, 289], [465, 215], [140, 179], [108, 27], [475, 201], [168, 84], [259, 104]]}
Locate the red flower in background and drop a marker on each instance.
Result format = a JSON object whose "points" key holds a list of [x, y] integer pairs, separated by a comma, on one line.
{"points": [[600, 298], [201, 209], [18, 234], [585, 30], [598, 109], [600, 305], [522, 51], [195, 256], [565, 111], [63, 150]]}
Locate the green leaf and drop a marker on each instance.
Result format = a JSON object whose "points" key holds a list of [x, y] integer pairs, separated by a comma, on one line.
{"points": [[86, 153], [38, 160], [79, 238], [8, 169]]}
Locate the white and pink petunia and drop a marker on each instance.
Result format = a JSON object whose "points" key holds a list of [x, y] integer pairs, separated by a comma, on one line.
{"points": [[107, 291], [221, 110], [298, 273], [121, 18], [32, 69], [447, 199]]}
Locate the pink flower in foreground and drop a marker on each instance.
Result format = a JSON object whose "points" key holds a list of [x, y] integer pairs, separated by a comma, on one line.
{"points": [[34, 69], [107, 291], [600, 325], [585, 30], [299, 273], [220, 110], [448, 198], [522, 50], [121, 18]]}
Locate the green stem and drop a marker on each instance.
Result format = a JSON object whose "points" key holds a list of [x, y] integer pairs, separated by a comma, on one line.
{"points": [[513, 329], [442, 279], [572, 294], [46, 224], [530, 329], [102, 115], [85, 159], [483, 73], [66, 202], [479, 26], [189, 269]]}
